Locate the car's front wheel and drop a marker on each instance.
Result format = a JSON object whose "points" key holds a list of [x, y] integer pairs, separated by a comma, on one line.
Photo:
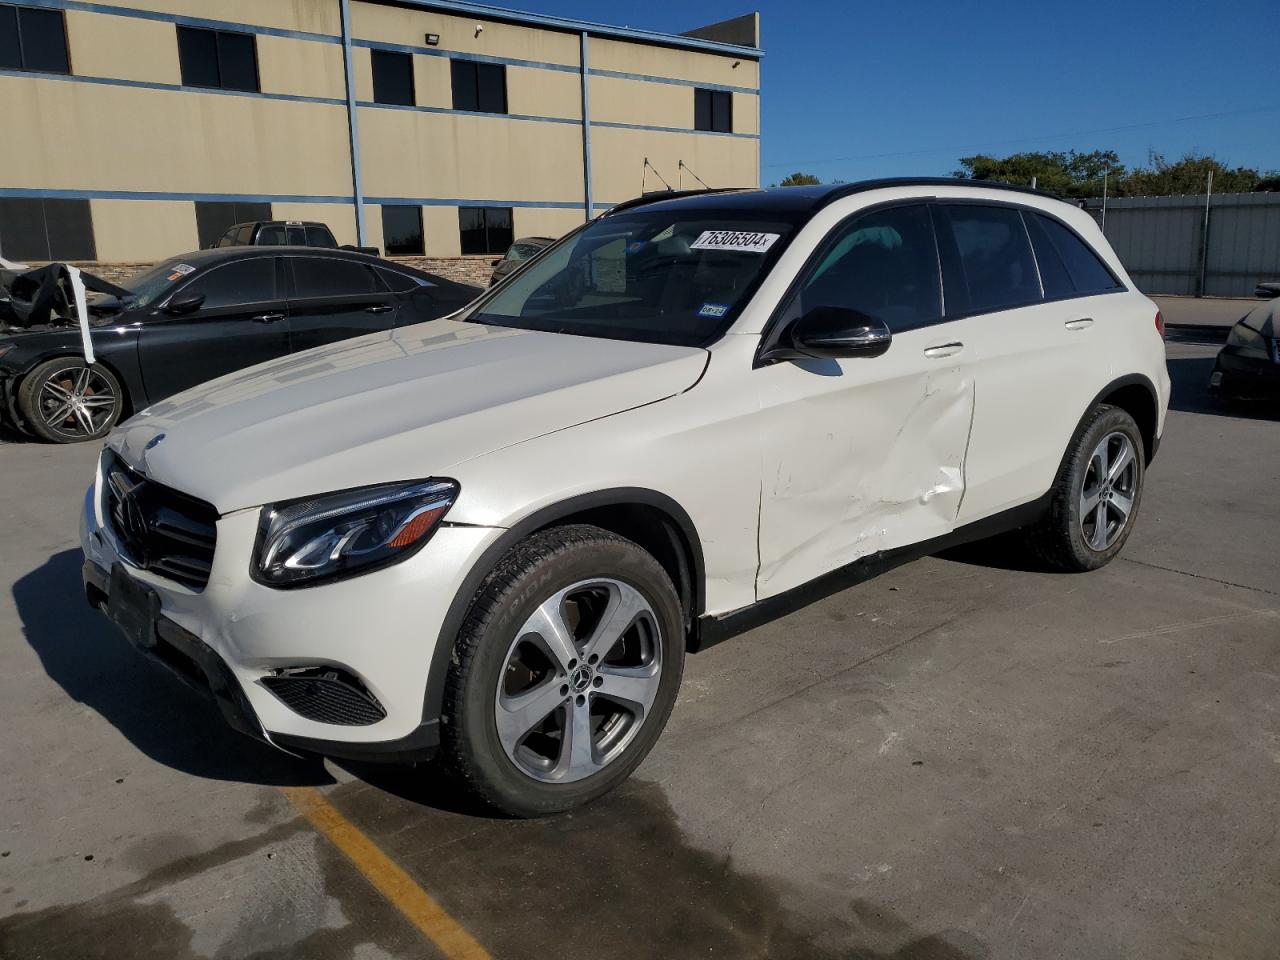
{"points": [[66, 400], [564, 672], [1095, 499]]}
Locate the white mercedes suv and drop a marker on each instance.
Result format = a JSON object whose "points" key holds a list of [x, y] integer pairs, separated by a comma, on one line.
{"points": [[497, 535]]}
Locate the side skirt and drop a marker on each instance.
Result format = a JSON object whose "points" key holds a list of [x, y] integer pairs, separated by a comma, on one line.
{"points": [[710, 630]]}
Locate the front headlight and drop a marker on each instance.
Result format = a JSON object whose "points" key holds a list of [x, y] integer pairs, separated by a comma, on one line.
{"points": [[1246, 338], [302, 542]]}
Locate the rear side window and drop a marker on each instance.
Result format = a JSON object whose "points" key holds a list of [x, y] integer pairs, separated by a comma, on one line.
{"points": [[244, 236], [320, 237], [1053, 271], [233, 284], [998, 268], [399, 282], [316, 277], [885, 265], [1087, 272]]}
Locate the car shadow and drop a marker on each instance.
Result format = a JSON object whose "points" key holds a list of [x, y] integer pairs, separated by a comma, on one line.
{"points": [[156, 712], [1189, 379]]}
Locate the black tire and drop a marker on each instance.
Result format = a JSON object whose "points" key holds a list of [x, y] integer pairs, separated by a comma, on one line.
{"points": [[73, 377], [1062, 539], [535, 570]]}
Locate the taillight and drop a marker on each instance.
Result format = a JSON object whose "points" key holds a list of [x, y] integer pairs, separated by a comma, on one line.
{"points": [[1159, 323]]}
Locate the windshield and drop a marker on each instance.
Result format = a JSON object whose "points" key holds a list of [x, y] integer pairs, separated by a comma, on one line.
{"points": [[660, 276], [522, 251], [152, 285]]}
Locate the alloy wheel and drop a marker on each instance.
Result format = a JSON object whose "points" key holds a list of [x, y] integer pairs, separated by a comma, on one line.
{"points": [[77, 401], [579, 680], [1108, 491]]}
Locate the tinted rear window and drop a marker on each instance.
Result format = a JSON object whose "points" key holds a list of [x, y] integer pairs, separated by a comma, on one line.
{"points": [[995, 255], [316, 277], [1088, 273]]}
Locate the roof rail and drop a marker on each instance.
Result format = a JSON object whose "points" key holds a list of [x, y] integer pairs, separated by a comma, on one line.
{"points": [[862, 186], [665, 195]]}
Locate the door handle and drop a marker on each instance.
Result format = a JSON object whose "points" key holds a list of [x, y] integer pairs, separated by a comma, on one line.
{"points": [[379, 308], [1080, 324], [943, 350], [268, 317]]}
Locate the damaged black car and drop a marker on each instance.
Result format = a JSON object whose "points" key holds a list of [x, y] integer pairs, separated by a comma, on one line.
{"points": [[1249, 365], [68, 375]]}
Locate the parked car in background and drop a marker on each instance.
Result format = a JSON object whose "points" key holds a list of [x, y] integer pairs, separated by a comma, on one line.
{"points": [[517, 254], [280, 233], [497, 534], [1250, 362], [199, 316]]}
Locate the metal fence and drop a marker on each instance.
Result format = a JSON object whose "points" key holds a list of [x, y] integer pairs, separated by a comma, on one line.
{"points": [[1216, 246]]}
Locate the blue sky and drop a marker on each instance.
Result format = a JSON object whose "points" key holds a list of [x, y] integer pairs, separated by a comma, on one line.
{"points": [[856, 90]]}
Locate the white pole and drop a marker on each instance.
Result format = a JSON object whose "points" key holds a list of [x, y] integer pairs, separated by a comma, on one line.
{"points": [[82, 312], [1104, 201]]}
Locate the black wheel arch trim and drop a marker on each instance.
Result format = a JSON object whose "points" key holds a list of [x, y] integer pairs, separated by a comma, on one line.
{"points": [[1128, 380], [690, 550]]}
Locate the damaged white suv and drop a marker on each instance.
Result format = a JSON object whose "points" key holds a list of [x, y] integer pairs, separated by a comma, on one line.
{"points": [[497, 535]]}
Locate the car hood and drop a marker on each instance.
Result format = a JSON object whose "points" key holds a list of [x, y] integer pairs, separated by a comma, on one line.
{"points": [[390, 406], [1264, 318]]}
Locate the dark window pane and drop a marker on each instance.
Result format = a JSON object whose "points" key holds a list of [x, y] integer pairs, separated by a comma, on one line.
{"points": [[465, 85], [885, 265], [44, 40], [271, 235], [212, 220], [198, 58], [491, 84], [316, 277], [399, 282], [722, 111], [1053, 271], [297, 237], [237, 61], [402, 231], [22, 230], [995, 255], [244, 235], [10, 53], [320, 237], [471, 229], [1088, 273], [702, 109], [234, 284], [498, 230], [392, 78], [70, 228]]}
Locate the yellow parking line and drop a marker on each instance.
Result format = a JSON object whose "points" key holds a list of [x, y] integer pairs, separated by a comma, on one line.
{"points": [[386, 876]]}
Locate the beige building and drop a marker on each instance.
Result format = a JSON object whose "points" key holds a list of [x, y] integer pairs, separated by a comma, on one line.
{"points": [[137, 129]]}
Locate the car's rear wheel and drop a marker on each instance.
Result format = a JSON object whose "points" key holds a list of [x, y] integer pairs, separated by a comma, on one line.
{"points": [[1095, 500], [564, 672], [66, 400]]}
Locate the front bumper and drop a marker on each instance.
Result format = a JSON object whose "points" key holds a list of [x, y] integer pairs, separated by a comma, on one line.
{"points": [[382, 628], [1247, 371]]}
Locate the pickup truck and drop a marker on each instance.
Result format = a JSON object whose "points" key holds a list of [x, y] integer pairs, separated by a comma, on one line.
{"points": [[284, 233]]}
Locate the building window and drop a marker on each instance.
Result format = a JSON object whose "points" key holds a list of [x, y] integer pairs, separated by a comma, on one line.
{"points": [[213, 218], [33, 39], [393, 78], [479, 87], [402, 231], [218, 58], [485, 229], [713, 110], [46, 230]]}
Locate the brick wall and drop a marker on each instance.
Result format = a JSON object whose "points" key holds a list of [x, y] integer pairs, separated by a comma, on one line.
{"points": [[474, 270]]}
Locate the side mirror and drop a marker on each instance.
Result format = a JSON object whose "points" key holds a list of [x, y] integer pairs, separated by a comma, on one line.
{"points": [[1267, 291], [184, 305], [832, 332]]}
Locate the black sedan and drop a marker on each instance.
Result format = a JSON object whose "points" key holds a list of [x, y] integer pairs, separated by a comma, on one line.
{"points": [[198, 316], [1250, 362]]}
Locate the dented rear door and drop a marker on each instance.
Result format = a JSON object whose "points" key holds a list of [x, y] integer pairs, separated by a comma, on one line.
{"points": [[865, 454]]}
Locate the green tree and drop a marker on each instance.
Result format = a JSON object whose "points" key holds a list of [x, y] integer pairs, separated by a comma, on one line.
{"points": [[1190, 175], [799, 180], [1068, 174]]}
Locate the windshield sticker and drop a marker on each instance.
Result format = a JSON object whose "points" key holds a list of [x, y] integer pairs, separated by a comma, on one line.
{"points": [[736, 240], [182, 269], [713, 310]]}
